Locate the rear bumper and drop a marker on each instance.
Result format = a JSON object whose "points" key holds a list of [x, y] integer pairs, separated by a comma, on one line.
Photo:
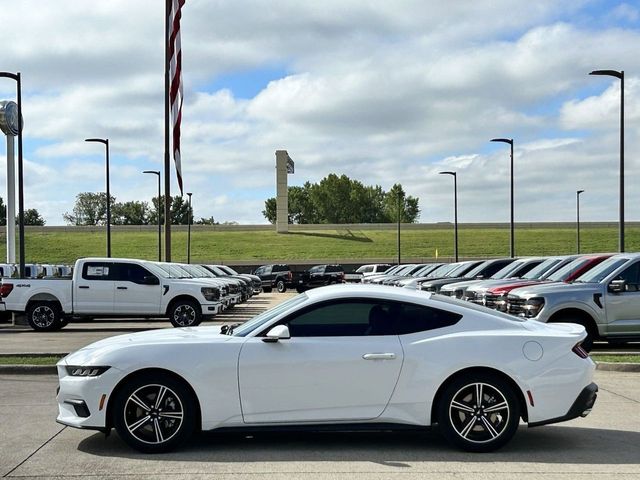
{"points": [[3, 307], [580, 408]]}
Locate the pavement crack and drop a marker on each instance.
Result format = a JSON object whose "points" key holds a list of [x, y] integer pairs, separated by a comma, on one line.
{"points": [[34, 452], [619, 395]]}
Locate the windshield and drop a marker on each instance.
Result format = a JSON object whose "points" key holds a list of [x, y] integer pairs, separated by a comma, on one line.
{"points": [[602, 271], [538, 271], [441, 271], [217, 271], [476, 271], [227, 270], [563, 273], [172, 271], [507, 271], [265, 317]]}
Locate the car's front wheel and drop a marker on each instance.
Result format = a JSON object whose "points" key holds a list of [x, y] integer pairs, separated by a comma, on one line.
{"points": [[154, 413], [185, 313], [479, 413]]}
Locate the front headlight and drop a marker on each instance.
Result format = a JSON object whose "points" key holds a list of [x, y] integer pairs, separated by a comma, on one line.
{"points": [[533, 306], [428, 288], [210, 293], [77, 371]]}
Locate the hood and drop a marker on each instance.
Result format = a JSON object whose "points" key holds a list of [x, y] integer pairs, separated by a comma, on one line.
{"points": [[484, 285], [550, 288], [506, 287], [167, 336], [460, 283], [201, 282]]}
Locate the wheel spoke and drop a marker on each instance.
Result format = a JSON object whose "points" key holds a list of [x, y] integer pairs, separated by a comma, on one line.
{"points": [[461, 406], [156, 427], [134, 398], [174, 415], [160, 396], [478, 395], [138, 424], [489, 428], [496, 407], [465, 431]]}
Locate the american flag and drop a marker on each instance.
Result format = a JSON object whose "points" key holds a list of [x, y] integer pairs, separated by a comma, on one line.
{"points": [[175, 79]]}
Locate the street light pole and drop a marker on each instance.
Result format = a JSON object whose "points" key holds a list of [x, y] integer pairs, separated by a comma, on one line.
{"points": [[512, 249], [18, 80], [455, 211], [619, 75], [157, 172], [399, 213], [105, 142], [189, 229], [578, 192]]}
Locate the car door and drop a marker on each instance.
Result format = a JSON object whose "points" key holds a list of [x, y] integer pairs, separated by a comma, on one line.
{"points": [[623, 309], [135, 292], [333, 368], [94, 289], [316, 276]]}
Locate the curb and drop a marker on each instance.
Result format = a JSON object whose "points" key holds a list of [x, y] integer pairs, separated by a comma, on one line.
{"points": [[618, 367]]}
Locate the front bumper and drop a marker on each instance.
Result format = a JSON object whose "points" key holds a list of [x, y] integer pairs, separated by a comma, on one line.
{"points": [[211, 308], [580, 408]]}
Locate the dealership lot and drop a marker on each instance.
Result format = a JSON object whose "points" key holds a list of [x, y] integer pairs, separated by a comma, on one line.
{"points": [[606, 444]]}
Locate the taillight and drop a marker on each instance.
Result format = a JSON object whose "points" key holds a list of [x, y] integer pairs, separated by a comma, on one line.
{"points": [[290, 276], [578, 350], [5, 289]]}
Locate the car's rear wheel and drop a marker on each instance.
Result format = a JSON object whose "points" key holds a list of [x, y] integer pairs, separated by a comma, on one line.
{"points": [[478, 413], [44, 316], [185, 313], [154, 413], [281, 286]]}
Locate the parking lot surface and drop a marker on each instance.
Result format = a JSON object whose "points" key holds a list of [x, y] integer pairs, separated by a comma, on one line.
{"points": [[605, 445]]}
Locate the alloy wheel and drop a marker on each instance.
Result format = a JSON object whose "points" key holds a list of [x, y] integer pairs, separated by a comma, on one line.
{"points": [[43, 316], [153, 414], [184, 315]]}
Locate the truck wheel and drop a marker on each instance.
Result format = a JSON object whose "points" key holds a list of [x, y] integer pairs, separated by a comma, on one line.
{"points": [[266, 289], [44, 316], [281, 287], [185, 313]]}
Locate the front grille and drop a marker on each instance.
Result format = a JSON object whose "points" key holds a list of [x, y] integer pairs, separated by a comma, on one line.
{"points": [[490, 300], [225, 290], [515, 305], [471, 296], [233, 289]]}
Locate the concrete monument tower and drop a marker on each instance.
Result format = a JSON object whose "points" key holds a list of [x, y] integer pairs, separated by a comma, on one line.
{"points": [[9, 126], [284, 166]]}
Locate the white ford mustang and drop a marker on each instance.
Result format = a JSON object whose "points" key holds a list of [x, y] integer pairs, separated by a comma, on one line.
{"points": [[335, 357]]}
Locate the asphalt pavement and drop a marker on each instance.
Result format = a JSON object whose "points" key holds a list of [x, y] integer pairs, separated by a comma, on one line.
{"points": [[604, 445]]}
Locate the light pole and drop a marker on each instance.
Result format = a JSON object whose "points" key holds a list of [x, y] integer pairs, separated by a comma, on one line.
{"points": [[189, 229], [157, 172], [512, 249], [620, 75], [578, 192], [455, 212], [18, 80], [399, 218], [105, 141]]}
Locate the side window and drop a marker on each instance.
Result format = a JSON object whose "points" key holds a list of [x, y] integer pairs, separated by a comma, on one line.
{"points": [[259, 271], [97, 271], [493, 268], [130, 272], [631, 276], [267, 270], [412, 318], [342, 319]]}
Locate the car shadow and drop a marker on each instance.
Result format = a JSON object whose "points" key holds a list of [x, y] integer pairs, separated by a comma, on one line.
{"points": [[551, 444], [349, 235]]}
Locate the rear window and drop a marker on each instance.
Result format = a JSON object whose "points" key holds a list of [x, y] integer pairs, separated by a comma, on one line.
{"points": [[280, 268]]}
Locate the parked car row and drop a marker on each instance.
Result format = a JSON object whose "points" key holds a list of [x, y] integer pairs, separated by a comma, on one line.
{"points": [[601, 292], [32, 270], [280, 277], [110, 287]]}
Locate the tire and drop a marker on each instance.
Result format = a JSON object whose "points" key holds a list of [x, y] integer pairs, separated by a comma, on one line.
{"points": [[185, 313], [281, 286], [464, 421], [169, 423], [266, 289], [44, 316], [300, 289]]}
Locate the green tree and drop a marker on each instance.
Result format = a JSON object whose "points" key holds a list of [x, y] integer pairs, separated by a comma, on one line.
{"points": [[130, 213], [396, 201], [3, 213], [33, 217], [179, 210], [269, 211], [90, 209], [206, 221]]}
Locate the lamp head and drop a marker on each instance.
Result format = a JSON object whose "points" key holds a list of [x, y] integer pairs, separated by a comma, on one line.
{"points": [[503, 140], [447, 173], [610, 73]]}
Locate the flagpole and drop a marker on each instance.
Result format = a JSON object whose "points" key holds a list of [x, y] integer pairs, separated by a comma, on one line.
{"points": [[167, 160]]}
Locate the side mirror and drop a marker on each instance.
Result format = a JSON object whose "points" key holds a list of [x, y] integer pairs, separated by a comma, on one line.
{"points": [[617, 286], [279, 332], [151, 280]]}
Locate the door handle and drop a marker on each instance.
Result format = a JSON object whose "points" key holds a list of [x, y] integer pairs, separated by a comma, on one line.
{"points": [[83, 286], [121, 288], [379, 356]]}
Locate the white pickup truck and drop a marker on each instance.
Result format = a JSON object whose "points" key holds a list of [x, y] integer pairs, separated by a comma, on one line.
{"points": [[111, 287]]}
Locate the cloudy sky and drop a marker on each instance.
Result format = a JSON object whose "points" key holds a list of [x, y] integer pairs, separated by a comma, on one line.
{"points": [[381, 91]]}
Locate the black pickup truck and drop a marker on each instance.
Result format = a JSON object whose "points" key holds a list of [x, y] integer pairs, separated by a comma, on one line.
{"points": [[319, 276], [274, 276]]}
